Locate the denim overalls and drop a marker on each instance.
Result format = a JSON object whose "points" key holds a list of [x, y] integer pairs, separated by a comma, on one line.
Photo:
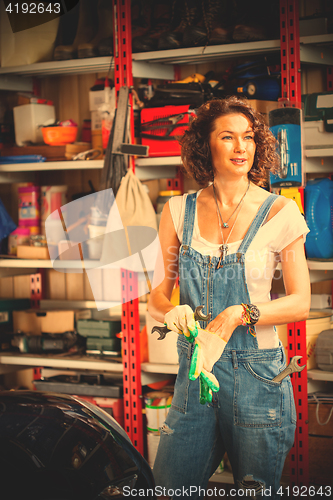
{"points": [[251, 418]]}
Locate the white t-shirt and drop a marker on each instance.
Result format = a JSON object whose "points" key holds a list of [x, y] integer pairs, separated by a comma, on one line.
{"points": [[261, 257]]}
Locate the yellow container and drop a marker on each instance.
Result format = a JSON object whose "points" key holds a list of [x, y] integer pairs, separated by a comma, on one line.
{"points": [[315, 324], [97, 142]]}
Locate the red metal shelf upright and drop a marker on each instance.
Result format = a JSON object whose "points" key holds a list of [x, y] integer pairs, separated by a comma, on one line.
{"points": [[131, 359], [291, 92], [290, 51], [299, 455], [122, 44], [130, 305]]}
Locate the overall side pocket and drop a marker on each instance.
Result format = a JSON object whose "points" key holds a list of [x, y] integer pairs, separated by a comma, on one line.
{"points": [[293, 416], [180, 396], [258, 401]]}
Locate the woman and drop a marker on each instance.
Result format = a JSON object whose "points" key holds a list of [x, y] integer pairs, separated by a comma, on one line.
{"points": [[227, 240]]}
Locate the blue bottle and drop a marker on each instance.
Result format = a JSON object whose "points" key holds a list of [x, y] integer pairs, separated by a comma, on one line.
{"points": [[318, 201]]}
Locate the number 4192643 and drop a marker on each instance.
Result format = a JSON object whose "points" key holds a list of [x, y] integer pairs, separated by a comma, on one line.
{"points": [[33, 8]]}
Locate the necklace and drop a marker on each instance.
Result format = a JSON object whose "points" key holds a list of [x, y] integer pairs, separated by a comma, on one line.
{"points": [[225, 224], [224, 247]]}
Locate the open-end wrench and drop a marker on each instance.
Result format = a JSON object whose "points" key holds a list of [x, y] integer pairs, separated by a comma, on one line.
{"points": [[163, 330], [291, 368]]}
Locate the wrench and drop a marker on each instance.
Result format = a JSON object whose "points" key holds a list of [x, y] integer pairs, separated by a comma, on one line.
{"points": [[291, 368], [198, 316]]}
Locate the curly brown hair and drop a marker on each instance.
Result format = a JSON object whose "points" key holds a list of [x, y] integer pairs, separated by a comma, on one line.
{"points": [[195, 149]]}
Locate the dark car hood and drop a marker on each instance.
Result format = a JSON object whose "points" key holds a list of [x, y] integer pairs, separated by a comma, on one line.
{"points": [[59, 447]]}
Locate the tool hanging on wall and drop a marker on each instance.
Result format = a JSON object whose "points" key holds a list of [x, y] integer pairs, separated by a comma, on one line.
{"points": [[285, 124], [117, 151]]}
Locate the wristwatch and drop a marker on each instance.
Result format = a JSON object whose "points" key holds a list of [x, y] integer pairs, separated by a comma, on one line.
{"points": [[254, 313]]}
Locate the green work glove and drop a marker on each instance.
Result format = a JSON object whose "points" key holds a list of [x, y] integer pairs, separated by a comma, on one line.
{"points": [[181, 320], [208, 385], [207, 350]]}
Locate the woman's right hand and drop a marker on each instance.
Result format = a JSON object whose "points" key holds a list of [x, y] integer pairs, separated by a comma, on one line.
{"points": [[181, 320]]}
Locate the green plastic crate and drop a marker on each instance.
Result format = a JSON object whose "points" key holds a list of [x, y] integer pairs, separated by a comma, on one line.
{"points": [[94, 328], [317, 106], [103, 346]]}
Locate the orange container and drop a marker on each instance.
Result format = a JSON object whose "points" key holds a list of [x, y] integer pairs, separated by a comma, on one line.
{"points": [[59, 136]]}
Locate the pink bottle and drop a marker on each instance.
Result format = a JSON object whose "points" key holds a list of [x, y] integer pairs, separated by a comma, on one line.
{"points": [[29, 206]]}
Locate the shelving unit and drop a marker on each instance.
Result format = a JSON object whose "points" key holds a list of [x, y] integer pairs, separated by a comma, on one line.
{"points": [[71, 362], [19, 78], [10, 362], [159, 64], [144, 171], [319, 160], [320, 375]]}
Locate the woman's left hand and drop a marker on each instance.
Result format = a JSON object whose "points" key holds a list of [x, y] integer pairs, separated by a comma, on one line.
{"points": [[226, 322]]}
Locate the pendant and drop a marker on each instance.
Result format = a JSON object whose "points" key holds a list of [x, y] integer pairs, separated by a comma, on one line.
{"points": [[225, 224], [224, 250]]}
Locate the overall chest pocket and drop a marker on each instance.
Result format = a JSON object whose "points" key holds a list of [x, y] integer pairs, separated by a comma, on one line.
{"points": [[258, 402]]}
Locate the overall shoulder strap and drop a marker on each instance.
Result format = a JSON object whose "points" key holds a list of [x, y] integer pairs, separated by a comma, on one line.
{"points": [[191, 203], [257, 222]]}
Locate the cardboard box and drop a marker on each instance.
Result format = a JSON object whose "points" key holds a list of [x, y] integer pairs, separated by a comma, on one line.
{"points": [[22, 287], [74, 286], [98, 97], [31, 252], [28, 119], [36, 322], [320, 444], [264, 107], [7, 287], [55, 285], [96, 120]]}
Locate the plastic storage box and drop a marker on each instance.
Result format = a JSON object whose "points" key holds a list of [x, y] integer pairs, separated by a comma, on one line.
{"points": [[161, 126], [27, 121], [318, 203], [324, 350], [318, 126], [102, 346], [94, 328]]}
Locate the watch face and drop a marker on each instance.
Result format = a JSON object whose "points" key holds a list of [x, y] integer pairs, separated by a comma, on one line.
{"points": [[254, 314]]}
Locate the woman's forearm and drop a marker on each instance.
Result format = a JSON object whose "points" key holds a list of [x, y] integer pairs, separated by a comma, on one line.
{"points": [[159, 305], [288, 309]]}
